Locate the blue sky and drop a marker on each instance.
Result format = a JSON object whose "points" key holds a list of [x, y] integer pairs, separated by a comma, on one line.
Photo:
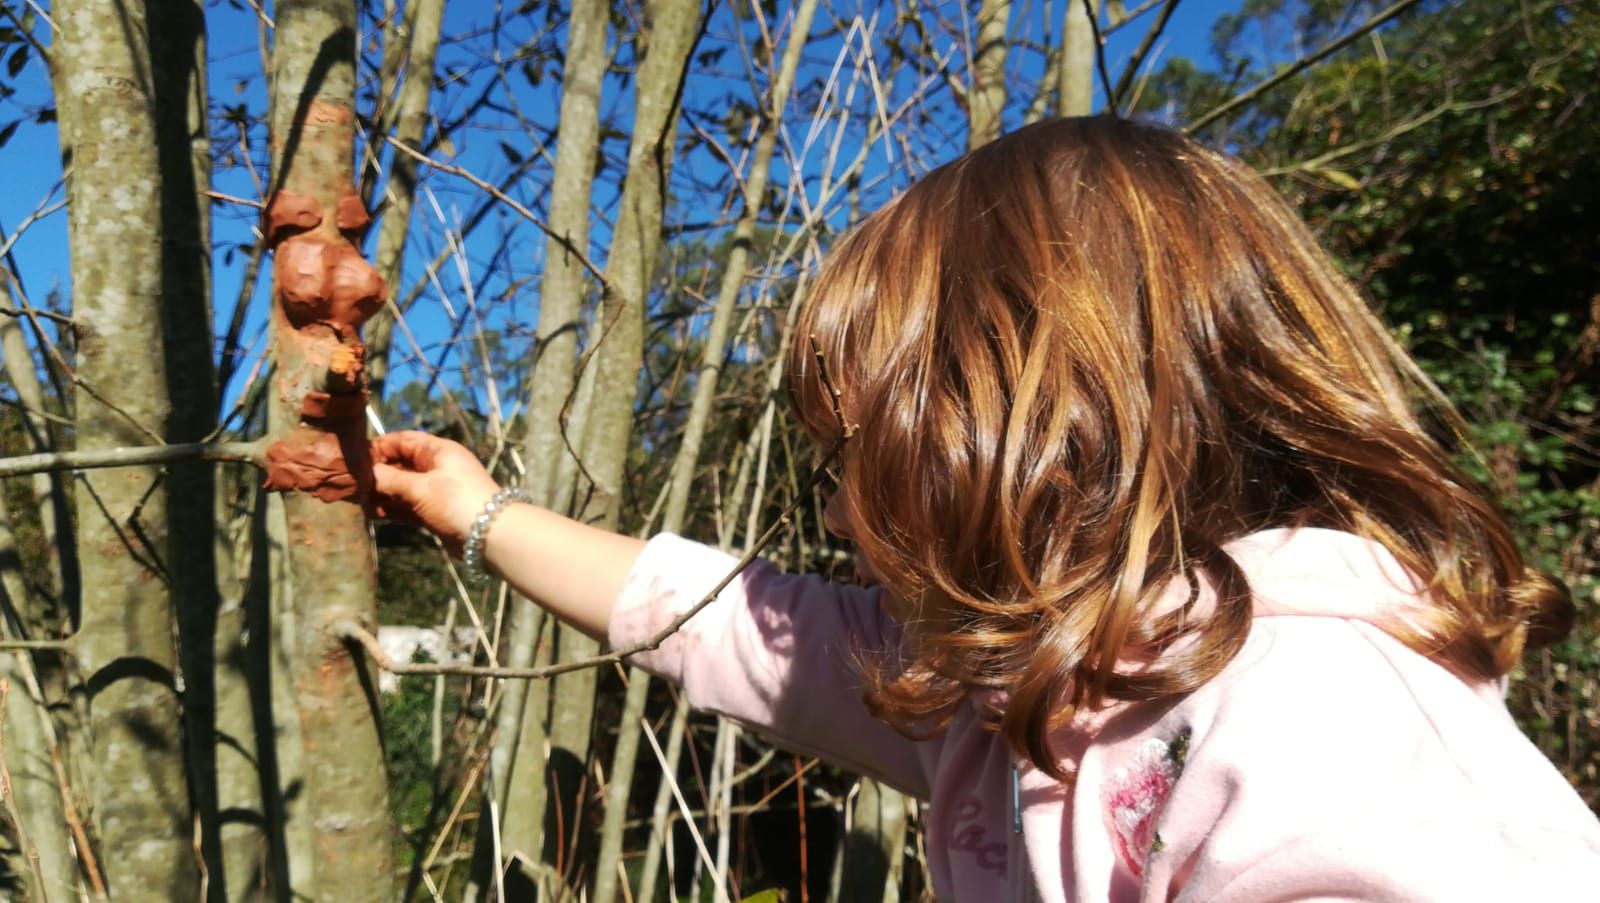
{"points": [[30, 168]]}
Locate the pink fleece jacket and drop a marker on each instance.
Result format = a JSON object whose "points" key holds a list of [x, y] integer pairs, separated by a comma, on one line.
{"points": [[1327, 761]]}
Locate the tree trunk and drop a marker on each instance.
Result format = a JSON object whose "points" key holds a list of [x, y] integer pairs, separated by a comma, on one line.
{"points": [[141, 801], [688, 456], [672, 27], [323, 292], [872, 851], [986, 96], [178, 54], [49, 489], [661, 808], [424, 18], [28, 743], [1075, 72], [518, 761]]}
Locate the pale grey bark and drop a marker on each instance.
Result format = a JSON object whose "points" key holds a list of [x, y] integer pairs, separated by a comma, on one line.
{"points": [[517, 758], [734, 271], [272, 630], [423, 19], [986, 93], [125, 641], [561, 287], [686, 461], [1075, 65], [672, 26]]}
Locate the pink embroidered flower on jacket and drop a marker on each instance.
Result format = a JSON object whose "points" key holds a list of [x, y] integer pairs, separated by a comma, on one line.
{"points": [[1136, 793]]}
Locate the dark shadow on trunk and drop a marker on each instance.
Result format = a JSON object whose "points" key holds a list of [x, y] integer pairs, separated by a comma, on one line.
{"points": [[258, 668], [176, 42]]}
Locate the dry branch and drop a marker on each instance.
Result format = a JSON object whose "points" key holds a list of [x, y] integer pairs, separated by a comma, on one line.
{"points": [[131, 456], [1298, 66], [352, 632], [1125, 81], [568, 244]]}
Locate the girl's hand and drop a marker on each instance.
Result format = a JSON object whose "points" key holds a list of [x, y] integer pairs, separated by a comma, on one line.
{"points": [[422, 479]]}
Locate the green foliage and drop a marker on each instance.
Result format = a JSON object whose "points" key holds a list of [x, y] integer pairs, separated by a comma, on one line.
{"points": [[1452, 173], [407, 731]]}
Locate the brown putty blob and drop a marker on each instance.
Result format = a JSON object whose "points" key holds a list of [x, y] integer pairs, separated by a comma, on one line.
{"points": [[326, 406], [314, 464], [290, 214], [324, 284], [326, 280], [350, 215]]}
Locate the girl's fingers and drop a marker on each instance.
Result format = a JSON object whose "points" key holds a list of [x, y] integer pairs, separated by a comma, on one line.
{"points": [[414, 449], [395, 481]]}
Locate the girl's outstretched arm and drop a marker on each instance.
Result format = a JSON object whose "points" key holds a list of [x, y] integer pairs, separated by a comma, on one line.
{"points": [[572, 569]]}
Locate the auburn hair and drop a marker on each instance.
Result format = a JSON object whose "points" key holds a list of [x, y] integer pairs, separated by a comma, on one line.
{"points": [[1080, 360]]}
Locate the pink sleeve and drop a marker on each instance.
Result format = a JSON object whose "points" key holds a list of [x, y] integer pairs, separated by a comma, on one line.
{"points": [[773, 651]]}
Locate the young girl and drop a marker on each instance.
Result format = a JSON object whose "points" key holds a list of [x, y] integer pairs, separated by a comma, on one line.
{"points": [[1180, 599]]}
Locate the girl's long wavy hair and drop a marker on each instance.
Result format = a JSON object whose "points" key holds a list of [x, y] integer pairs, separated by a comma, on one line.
{"points": [[1080, 360]]}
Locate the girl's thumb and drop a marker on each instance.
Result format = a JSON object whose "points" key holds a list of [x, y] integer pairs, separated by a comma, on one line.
{"points": [[391, 480]]}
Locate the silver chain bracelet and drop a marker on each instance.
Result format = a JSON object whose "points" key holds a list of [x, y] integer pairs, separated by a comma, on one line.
{"points": [[473, 571]]}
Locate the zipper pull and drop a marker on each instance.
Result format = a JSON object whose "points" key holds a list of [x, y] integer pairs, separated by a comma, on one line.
{"points": [[1016, 799]]}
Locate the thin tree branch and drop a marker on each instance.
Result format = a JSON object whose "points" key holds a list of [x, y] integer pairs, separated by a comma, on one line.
{"points": [[39, 213], [1114, 102], [132, 456], [566, 243], [233, 199], [1128, 17], [27, 35], [352, 632], [34, 315], [63, 644], [51, 315], [1100, 54], [1298, 66]]}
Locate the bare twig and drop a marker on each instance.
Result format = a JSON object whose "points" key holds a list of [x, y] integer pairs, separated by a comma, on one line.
{"points": [[1114, 101], [234, 199], [131, 456], [353, 632], [50, 315], [64, 644], [1298, 66], [846, 429], [1100, 55], [27, 35], [566, 243], [39, 213], [34, 315], [1127, 19]]}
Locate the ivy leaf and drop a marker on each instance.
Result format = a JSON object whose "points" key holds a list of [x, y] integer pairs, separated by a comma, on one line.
{"points": [[512, 154], [19, 58], [9, 130]]}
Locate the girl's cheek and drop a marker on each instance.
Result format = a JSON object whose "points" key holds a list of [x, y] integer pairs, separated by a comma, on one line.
{"points": [[836, 521], [865, 574]]}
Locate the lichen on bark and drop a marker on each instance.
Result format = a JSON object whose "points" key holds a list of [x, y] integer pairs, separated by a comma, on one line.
{"points": [[141, 798]]}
